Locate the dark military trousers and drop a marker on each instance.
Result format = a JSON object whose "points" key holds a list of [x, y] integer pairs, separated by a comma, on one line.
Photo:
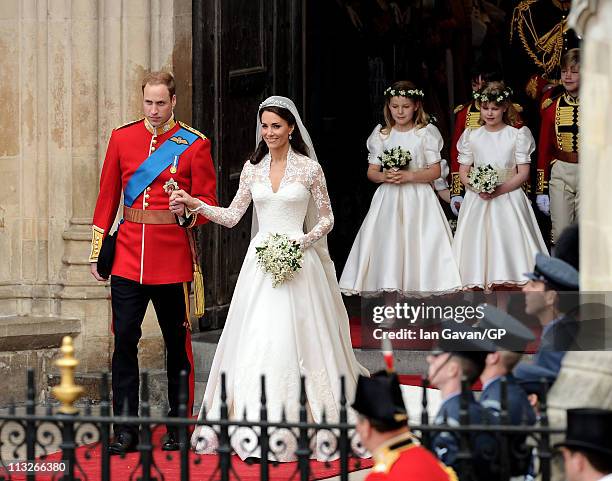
{"points": [[129, 304]]}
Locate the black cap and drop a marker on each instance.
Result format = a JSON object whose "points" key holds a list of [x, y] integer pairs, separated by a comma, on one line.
{"points": [[465, 341], [567, 246], [380, 398], [516, 336], [589, 429], [554, 272]]}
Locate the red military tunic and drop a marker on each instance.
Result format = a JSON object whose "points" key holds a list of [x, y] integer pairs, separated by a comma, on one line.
{"points": [[403, 458], [148, 253], [558, 136], [467, 117]]}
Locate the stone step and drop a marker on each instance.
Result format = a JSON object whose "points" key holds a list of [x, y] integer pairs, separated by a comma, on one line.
{"points": [[406, 362]]}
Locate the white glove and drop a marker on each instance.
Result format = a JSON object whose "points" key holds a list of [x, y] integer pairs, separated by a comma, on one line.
{"points": [[543, 203], [456, 199]]}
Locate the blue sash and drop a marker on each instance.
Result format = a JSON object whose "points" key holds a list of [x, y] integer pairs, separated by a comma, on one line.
{"points": [[156, 163]]}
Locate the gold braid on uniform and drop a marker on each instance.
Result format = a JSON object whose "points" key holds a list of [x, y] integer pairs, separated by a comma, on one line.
{"points": [[548, 45]]}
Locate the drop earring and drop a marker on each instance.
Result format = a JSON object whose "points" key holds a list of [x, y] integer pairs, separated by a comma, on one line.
{"points": [[290, 137]]}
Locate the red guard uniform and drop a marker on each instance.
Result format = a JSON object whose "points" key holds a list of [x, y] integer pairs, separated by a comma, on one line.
{"points": [[466, 117], [401, 458], [558, 159], [139, 246], [153, 259]]}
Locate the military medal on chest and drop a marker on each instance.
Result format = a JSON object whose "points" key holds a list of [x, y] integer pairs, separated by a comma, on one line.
{"points": [[174, 165]]}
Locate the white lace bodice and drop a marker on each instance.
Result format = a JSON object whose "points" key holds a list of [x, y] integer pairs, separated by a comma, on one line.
{"points": [[282, 211]]}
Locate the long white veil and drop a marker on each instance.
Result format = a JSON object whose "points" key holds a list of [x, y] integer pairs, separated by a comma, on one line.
{"points": [[311, 214]]}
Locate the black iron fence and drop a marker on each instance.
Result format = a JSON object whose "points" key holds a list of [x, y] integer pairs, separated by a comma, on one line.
{"points": [[41, 442]]}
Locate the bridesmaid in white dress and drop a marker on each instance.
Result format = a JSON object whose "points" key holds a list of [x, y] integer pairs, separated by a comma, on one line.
{"points": [[497, 235], [300, 328], [404, 243]]}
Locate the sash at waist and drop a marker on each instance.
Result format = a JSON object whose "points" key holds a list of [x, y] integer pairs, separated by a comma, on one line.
{"points": [[505, 174]]}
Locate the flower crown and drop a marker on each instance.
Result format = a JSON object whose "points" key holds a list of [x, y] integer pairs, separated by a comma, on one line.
{"points": [[391, 92], [498, 97]]}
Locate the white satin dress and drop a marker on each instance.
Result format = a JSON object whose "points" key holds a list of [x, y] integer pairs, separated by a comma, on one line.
{"points": [[496, 240], [404, 243], [300, 328]]}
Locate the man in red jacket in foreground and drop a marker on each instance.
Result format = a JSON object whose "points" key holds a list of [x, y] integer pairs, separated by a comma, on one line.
{"points": [[383, 430]]}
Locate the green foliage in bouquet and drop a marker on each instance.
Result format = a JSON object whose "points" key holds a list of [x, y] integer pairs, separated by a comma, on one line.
{"points": [[280, 257]]}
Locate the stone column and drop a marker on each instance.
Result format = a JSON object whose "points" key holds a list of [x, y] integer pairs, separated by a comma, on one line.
{"points": [[592, 19], [585, 379], [70, 71]]}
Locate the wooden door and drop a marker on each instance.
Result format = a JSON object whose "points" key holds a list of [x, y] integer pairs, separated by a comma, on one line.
{"points": [[243, 52]]}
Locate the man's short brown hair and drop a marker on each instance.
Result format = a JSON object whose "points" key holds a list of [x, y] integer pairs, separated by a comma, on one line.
{"points": [[160, 78]]}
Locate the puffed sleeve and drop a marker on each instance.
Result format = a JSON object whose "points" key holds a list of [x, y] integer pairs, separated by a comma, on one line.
{"points": [[375, 146], [432, 144], [525, 146], [440, 183], [465, 157]]}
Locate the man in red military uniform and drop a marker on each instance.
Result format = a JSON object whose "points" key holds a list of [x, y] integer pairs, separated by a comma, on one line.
{"points": [[557, 187], [383, 430], [153, 260]]}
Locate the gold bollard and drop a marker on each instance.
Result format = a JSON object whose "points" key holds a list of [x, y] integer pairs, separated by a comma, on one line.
{"points": [[67, 392]]}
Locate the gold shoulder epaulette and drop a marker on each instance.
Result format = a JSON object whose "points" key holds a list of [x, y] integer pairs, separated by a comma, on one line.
{"points": [[531, 88], [518, 107], [458, 108], [547, 103], [129, 123], [191, 129]]}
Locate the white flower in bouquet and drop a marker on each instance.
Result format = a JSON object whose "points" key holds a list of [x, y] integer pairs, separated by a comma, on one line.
{"points": [[280, 257], [395, 158], [483, 178]]}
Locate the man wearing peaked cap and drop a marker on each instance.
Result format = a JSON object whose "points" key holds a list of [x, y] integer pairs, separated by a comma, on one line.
{"points": [[460, 353], [555, 272], [587, 449], [548, 297], [499, 365], [383, 429]]}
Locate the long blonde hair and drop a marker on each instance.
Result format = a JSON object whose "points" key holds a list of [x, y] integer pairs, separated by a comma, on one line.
{"points": [[421, 118], [500, 95]]}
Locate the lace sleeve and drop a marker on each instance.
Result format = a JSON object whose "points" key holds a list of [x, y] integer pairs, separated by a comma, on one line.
{"points": [[229, 216], [318, 190]]}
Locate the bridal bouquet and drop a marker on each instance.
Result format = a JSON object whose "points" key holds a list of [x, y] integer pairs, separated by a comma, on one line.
{"points": [[280, 257], [395, 158], [483, 178]]}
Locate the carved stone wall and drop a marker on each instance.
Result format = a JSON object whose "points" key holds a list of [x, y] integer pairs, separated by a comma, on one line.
{"points": [[585, 379], [70, 71], [592, 20]]}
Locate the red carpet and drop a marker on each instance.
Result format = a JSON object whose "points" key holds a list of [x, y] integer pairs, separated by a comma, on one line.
{"points": [[202, 467]]}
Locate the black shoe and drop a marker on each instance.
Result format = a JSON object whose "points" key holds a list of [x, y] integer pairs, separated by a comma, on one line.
{"points": [[170, 442], [124, 443]]}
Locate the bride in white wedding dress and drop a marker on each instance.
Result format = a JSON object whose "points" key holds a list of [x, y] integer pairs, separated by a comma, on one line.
{"points": [[300, 328]]}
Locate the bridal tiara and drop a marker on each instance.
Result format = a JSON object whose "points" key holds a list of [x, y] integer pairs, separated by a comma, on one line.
{"points": [[274, 103]]}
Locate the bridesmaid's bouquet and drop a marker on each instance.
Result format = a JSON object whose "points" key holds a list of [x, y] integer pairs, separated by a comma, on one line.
{"points": [[280, 257], [395, 158], [483, 178]]}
